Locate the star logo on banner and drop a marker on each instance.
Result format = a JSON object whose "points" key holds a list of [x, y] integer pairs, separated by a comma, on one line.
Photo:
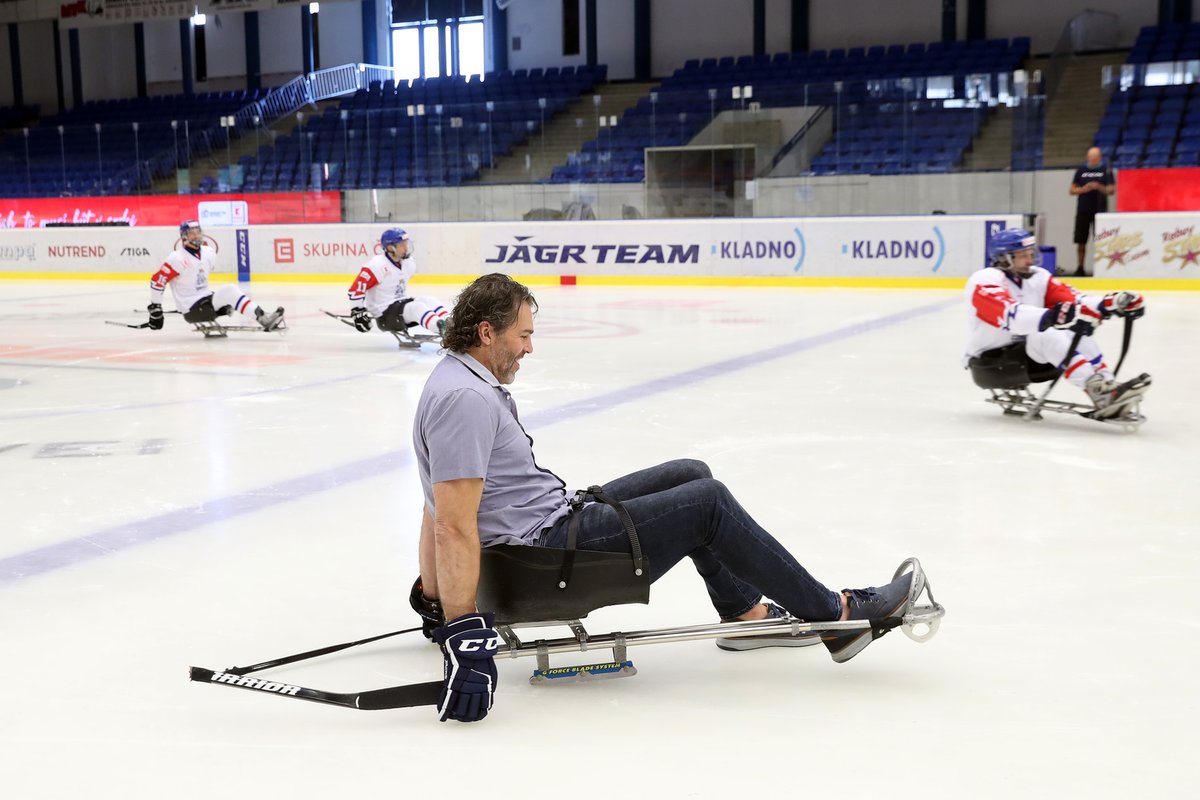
{"points": [[1190, 257], [1117, 257]]}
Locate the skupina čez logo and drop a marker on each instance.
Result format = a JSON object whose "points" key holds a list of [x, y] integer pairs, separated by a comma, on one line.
{"points": [[1182, 245], [1119, 248]]}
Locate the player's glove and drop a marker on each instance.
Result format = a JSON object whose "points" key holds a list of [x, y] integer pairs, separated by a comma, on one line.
{"points": [[362, 320], [430, 611], [156, 316], [1070, 317], [468, 646], [1130, 305]]}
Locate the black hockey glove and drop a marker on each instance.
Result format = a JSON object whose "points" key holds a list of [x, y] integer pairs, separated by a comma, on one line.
{"points": [[156, 316], [1130, 305], [430, 611], [362, 320], [1069, 317], [469, 645]]}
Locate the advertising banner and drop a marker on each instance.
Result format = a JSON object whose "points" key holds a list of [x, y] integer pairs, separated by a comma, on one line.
{"points": [[938, 246], [1147, 246], [859, 247], [102, 252], [928, 246], [222, 209], [1174, 189]]}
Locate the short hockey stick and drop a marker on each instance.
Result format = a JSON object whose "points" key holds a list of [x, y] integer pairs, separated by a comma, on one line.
{"points": [[407, 696], [1037, 406], [416, 694], [323, 651], [126, 324], [342, 318], [1125, 339]]}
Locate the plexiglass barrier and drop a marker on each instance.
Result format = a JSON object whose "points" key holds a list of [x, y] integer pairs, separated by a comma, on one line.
{"points": [[563, 145]]}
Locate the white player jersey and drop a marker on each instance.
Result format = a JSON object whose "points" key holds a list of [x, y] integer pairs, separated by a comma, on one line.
{"points": [[380, 283], [187, 276], [1004, 308]]}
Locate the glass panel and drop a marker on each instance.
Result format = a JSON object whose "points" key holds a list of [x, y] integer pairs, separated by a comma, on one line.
{"points": [[406, 53], [470, 48], [432, 68]]}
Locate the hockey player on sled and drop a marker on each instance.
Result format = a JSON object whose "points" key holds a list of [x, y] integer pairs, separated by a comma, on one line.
{"points": [[1026, 326], [379, 295], [186, 272], [503, 548], [484, 490]]}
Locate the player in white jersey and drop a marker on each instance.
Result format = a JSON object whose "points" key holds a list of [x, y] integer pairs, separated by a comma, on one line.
{"points": [[186, 272], [1016, 305], [380, 290]]}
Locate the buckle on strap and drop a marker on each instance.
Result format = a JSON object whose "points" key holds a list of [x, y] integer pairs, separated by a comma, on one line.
{"points": [[576, 503]]}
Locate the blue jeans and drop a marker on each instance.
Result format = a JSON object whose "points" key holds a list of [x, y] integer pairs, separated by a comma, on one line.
{"points": [[680, 510]]}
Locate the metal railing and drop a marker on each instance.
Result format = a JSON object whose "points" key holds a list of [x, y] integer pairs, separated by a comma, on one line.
{"points": [[280, 102]]}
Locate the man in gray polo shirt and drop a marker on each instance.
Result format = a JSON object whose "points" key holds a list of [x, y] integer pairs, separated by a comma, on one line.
{"points": [[482, 487]]}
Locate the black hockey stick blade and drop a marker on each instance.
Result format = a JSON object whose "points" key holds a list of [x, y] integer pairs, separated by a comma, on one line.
{"points": [[126, 324], [406, 696]]}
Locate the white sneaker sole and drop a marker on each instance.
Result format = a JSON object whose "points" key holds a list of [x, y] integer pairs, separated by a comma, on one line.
{"points": [[740, 643]]}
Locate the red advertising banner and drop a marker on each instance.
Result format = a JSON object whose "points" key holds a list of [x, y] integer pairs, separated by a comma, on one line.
{"points": [[1174, 189], [281, 208]]}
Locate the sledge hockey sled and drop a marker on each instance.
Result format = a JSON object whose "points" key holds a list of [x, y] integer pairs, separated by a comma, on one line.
{"points": [[210, 328], [1007, 373], [405, 339], [214, 329], [535, 587]]}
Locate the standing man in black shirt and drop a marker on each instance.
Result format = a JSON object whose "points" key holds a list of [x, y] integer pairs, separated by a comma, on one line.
{"points": [[1092, 184]]}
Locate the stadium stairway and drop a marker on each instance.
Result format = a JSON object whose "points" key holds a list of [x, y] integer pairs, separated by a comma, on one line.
{"points": [[208, 169], [1074, 113], [992, 147], [534, 160]]}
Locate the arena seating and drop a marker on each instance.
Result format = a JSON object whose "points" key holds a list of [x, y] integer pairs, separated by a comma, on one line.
{"points": [[886, 126], [96, 149], [375, 138], [1155, 126]]}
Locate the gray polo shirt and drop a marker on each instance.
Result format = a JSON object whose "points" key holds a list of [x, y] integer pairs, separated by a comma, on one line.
{"points": [[466, 427]]}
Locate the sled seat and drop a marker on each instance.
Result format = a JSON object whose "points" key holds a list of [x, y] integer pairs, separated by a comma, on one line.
{"points": [[1008, 367], [525, 584]]}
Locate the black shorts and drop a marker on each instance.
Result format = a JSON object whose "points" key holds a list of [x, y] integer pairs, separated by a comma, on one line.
{"points": [[1084, 223], [392, 318], [202, 311]]}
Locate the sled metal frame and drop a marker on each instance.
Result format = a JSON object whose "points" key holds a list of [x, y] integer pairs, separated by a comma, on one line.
{"points": [[215, 330], [1021, 402], [919, 622], [404, 339]]}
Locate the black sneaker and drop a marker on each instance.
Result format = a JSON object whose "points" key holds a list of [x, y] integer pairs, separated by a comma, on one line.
{"points": [[770, 639], [875, 604], [1079, 273]]}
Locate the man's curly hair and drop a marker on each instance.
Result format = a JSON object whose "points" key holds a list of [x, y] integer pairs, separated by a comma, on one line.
{"points": [[495, 298]]}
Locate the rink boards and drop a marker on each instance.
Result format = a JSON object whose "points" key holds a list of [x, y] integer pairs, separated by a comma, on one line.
{"points": [[935, 250]]}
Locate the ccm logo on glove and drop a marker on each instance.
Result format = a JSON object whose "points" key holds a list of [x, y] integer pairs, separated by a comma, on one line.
{"points": [[475, 645]]}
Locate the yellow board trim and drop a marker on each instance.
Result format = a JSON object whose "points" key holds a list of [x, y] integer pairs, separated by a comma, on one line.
{"points": [[799, 281]]}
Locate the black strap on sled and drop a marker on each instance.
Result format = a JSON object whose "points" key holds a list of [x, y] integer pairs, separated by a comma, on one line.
{"points": [[598, 495]]}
